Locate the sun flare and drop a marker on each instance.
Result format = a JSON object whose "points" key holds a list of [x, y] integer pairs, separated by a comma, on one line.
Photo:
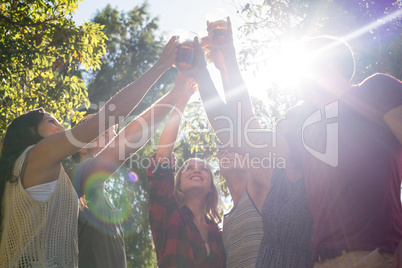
{"points": [[282, 67]]}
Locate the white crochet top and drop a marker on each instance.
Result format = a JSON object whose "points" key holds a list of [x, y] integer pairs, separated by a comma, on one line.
{"points": [[36, 233]]}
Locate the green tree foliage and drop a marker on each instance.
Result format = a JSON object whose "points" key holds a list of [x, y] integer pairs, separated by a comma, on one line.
{"points": [[129, 192], [366, 25], [41, 52], [270, 22], [132, 48]]}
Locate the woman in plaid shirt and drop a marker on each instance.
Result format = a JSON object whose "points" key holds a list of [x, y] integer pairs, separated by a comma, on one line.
{"points": [[183, 214]]}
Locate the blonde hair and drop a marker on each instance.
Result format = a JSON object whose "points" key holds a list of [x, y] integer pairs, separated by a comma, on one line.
{"points": [[211, 204]]}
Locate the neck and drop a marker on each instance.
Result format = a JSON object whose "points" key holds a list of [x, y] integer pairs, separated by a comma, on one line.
{"points": [[237, 184], [197, 205]]}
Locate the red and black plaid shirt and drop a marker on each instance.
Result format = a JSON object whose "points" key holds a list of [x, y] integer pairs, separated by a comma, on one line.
{"points": [[177, 240]]}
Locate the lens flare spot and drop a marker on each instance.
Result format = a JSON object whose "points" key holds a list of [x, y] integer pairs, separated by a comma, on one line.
{"points": [[133, 176], [101, 212]]}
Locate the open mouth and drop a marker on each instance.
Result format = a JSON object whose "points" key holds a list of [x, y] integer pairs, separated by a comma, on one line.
{"points": [[196, 178]]}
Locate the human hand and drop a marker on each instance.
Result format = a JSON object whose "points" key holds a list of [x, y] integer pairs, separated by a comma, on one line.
{"points": [[222, 40], [218, 58], [189, 89], [169, 52], [199, 65], [222, 54], [185, 86], [184, 89]]}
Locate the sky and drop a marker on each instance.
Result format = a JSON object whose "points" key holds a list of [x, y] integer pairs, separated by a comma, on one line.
{"points": [[187, 15], [173, 14]]}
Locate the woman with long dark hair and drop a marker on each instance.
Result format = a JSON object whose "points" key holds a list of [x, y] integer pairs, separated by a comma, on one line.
{"points": [[39, 206]]}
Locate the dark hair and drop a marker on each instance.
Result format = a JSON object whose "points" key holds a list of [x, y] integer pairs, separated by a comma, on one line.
{"points": [[331, 51], [21, 133]]}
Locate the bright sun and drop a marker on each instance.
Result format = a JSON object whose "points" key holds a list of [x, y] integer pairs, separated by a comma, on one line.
{"points": [[284, 67]]}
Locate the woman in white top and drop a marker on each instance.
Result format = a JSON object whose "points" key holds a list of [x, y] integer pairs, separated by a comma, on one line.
{"points": [[42, 232]]}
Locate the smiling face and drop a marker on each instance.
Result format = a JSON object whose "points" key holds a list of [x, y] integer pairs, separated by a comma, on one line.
{"points": [[195, 175], [196, 180], [49, 125]]}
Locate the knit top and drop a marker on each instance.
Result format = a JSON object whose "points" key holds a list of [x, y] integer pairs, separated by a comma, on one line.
{"points": [[36, 233], [242, 233]]}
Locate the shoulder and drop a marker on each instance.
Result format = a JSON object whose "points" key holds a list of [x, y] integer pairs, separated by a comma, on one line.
{"points": [[295, 111], [278, 177], [380, 84], [291, 117], [25, 152], [381, 91], [380, 79], [20, 161], [73, 170], [78, 170], [82, 172]]}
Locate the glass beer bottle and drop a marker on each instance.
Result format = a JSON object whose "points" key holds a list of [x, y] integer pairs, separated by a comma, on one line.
{"points": [[185, 55], [218, 32]]}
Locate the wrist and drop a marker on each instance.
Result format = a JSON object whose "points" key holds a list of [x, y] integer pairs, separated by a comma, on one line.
{"points": [[201, 74], [180, 105], [175, 93], [223, 69], [230, 60], [162, 66], [229, 50]]}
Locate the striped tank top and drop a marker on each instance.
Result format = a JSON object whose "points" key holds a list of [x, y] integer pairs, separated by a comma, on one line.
{"points": [[242, 233]]}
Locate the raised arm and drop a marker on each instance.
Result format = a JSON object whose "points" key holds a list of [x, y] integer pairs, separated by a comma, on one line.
{"points": [[256, 142], [45, 157], [138, 132], [236, 93], [169, 134], [163, 203], [238, 100]]}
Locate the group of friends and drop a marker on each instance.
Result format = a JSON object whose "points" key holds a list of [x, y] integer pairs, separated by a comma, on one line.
{"points": [[333, 202]]}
